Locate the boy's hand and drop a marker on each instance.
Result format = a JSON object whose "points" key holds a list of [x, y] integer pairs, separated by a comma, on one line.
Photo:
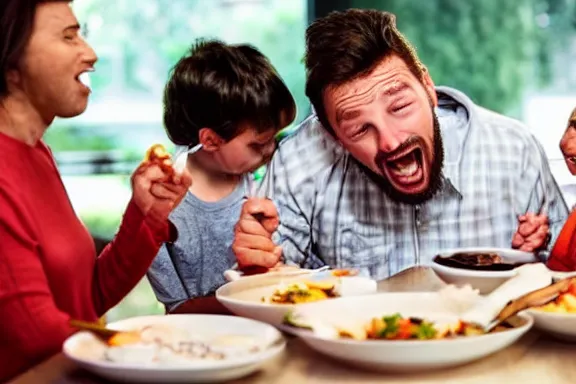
{"points": [[253, 245]]}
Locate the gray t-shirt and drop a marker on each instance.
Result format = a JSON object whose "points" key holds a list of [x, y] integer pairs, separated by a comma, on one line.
{"points": [[193, 266]]}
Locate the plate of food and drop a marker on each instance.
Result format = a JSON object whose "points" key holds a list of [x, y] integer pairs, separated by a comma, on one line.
{"points": [[554, 310], [483, 268], [177, 349], [268, 297], [401, 332]]}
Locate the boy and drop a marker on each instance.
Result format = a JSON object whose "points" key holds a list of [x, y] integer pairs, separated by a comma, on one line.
{"points": [[230, 100]]}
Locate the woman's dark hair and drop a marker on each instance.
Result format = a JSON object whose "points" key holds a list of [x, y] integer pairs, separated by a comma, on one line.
{"points": [[346, 45], [16, 23], [221, 87]]}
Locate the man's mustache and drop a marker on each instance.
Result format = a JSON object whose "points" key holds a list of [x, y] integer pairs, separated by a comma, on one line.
{"points": [[382, 156]]}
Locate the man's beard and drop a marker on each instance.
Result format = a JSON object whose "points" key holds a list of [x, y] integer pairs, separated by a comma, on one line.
{"points": [[435, 172]]}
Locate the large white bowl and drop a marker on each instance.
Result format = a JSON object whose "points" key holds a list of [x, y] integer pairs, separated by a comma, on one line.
{"points": [[400, 355], [484, 281], [85, 350], [243, 297], [561, 326]]}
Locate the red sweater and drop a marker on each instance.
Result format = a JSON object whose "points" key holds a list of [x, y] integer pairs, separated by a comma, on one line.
{"points": [[563, 254], [49, 270]]}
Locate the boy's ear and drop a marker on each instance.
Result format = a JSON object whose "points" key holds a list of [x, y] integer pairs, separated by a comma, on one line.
{"points": [[210, 140]]}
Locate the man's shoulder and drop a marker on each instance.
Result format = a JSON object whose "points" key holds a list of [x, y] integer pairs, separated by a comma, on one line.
{"points": [[494, 122], [308, 150]]}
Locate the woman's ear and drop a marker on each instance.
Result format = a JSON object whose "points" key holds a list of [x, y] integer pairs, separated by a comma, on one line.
{"points": [[210, 140]]}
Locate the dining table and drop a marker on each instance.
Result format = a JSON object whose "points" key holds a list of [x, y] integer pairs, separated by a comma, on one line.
{"points": [[535, 358]]}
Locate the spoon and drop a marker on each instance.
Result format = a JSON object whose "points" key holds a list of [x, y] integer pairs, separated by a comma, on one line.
{"points": [[99, 330], [233, 274], [110, 336]]}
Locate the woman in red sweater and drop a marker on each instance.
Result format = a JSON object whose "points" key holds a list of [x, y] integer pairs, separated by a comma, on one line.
{"points": [[49, 270], [563, 254]]}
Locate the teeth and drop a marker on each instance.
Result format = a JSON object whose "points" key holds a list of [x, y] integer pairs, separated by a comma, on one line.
{"points": [[84, 78], [406, 170]]}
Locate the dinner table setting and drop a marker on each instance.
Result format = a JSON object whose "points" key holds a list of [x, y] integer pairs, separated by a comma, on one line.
{"points": [[471, 316]]}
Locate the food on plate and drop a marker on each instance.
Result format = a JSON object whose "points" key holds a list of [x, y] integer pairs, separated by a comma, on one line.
{"points": [[475, 260], [529, 281], [158, 154], [344, 272], [559, 298], [389, 327], [302, 292], [165, 344]]}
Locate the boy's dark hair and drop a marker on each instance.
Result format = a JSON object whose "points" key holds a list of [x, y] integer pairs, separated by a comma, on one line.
{"points": [[16, 23], [221, 87], [344, 46]]}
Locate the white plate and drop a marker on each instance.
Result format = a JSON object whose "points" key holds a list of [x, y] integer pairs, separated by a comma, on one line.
{"points": [[484, 281], [400, 355], [86, 351], [244, 296], [559, 325]]}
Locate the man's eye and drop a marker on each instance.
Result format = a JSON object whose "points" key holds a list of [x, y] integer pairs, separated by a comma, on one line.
{"points": [[400, 107], [360, 131]]}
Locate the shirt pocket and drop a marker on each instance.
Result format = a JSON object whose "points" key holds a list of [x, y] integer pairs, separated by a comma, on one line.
{"points": [[363, 248]]}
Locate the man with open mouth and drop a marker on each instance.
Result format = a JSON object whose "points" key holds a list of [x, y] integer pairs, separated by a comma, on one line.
{"points": [[390, 169]]}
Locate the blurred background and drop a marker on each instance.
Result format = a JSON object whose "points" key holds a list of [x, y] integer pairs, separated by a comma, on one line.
{"points": [[514, 57]]}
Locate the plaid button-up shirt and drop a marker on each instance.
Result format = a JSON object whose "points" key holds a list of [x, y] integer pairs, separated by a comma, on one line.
{"points": [[332, 213]]}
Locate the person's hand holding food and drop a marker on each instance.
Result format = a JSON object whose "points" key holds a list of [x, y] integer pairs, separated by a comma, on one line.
{"points": [[156, 187]]}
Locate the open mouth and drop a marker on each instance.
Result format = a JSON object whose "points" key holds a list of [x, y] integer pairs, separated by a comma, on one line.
{"points": [[84, 79], [406, 170]]}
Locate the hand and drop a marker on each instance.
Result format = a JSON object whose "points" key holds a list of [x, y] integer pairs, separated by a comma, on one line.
{"points": [[157, 191], [253, 245], [533, 233]]}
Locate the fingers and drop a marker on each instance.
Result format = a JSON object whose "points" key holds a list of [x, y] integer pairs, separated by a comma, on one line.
{"points": [[263, 211], [150, 172], [254, 257], [263, 207], [517, 240], [249, 225], [531, 223], [261, 243], [165, 191], [536, 240], [255, 250]]}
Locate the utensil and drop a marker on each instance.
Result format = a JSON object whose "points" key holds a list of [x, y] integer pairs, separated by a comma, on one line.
{"points": [[491, 310], [182, 156], [98, 329], [234, 274], [531, 299]]}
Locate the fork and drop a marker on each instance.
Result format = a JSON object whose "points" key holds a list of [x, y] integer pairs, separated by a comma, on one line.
{"points": [[182, 156]]}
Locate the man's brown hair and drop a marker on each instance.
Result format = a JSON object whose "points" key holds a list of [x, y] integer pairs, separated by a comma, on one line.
{"points": [[346, 45]]}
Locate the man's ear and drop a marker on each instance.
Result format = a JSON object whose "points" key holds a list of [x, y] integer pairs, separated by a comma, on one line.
{"points": [[429, 86], [210, 140]]}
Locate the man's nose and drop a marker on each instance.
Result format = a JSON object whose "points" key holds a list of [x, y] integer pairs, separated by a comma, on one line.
{"points": [[388, 139]]}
